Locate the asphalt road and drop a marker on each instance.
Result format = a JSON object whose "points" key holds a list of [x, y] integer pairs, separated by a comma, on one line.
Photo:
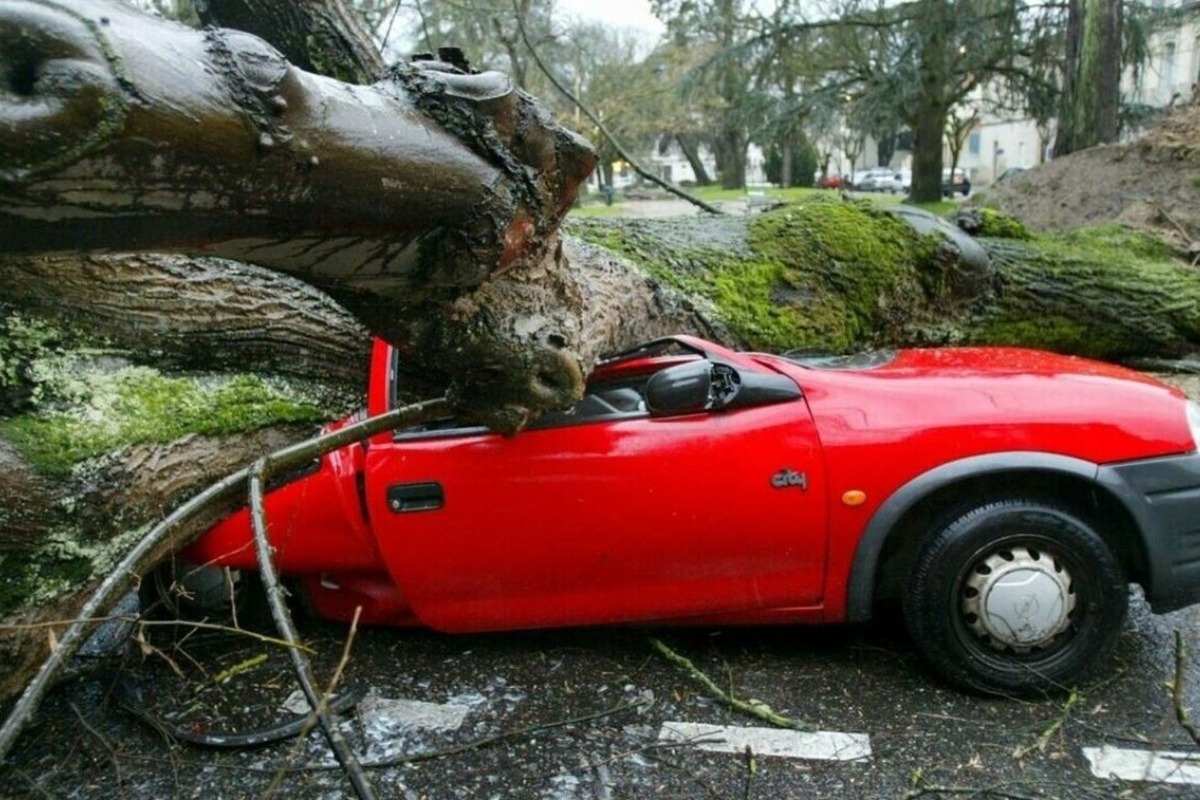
{"points": [[599, 715]]}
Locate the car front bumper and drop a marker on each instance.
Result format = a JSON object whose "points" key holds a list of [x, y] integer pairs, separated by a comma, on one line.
{"points": [[1163, 496]]}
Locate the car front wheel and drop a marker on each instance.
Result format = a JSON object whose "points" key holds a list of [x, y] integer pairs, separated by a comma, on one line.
{"points": [[1015, 597]]}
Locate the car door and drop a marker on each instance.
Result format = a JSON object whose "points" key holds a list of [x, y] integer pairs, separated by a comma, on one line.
{"points": [[626, 519]]}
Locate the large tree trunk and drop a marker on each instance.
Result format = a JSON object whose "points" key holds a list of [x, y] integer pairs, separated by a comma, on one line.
{"points": [[841, 277], [928, 118], [399, 199], [1090, 103]]}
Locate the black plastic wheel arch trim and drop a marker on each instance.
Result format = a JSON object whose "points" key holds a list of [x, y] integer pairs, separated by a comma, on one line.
{"points": [[860, 592]]}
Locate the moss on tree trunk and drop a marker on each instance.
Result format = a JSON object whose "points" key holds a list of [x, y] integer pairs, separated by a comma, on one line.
{"points": [[842, 276]]}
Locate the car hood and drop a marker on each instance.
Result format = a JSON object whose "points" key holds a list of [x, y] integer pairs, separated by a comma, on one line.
{"points": [[978, 400]]}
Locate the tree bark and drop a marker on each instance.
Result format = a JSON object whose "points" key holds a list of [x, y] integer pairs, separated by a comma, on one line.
{"points": [[689, 145], [398, 199], [324, 38], [1090, 103], [928, 119]]}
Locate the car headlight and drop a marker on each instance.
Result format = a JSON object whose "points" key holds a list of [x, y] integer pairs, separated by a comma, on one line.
{"points": [[1193, 417]]}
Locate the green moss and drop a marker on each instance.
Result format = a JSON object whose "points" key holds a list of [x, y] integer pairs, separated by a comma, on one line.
{"points": [[1109, 241], [87, 412], [64, 561], [998, 225], [820, 274], [22, 342], [1106, 293], [846, 271]]}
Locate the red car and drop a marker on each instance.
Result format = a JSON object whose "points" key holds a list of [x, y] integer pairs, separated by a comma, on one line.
{"points": [[1004, 498]]}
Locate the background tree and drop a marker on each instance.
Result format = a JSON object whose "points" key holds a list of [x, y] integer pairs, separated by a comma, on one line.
{"points": [[717, 30], [1089, 111], [958, 131], [916, 61]]}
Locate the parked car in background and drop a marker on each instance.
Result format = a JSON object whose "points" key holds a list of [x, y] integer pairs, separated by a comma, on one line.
{"points": [[1003, 498], [876, 179], [830, 182], [901, 182], [958, 183]]}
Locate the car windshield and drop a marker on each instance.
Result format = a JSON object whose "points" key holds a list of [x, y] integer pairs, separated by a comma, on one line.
{"points": [[868, 360]]}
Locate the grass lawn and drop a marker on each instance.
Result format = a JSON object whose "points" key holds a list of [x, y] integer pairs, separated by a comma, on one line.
{"points": [[595, 207]]}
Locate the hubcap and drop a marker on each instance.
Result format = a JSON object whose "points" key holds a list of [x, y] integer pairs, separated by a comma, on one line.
{"points": [[1018, 599]]}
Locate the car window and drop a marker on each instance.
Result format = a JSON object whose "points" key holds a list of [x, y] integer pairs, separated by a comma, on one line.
{"points": [[618, 399]]}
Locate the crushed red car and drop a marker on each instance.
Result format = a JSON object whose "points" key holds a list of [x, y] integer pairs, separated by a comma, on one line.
{"points": [[1003, 498]]}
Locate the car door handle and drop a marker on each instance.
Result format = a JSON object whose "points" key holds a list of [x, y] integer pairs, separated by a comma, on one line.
{"points": [[404, 498]]}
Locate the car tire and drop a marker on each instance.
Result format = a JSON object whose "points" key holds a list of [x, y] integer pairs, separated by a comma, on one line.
{"points": [[1015, 597], [180, 590]]}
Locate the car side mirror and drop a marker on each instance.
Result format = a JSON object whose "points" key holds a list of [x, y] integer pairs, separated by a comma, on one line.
{"points": [[712, 386], [681, 389]]}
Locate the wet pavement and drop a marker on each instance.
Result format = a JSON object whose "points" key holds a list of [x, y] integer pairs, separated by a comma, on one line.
{"points": [[599, 715]]}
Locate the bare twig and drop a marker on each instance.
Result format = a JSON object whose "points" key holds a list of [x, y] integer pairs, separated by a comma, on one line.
{"points": [[595, 120], [287, 629], [99, 737], [330, 690], [1044, 739], [754, 708], [160, 539], [1181, 712], [751, 771]]}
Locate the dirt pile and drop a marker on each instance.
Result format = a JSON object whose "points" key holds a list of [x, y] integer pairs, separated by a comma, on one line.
{"points": [[1152, 184]]}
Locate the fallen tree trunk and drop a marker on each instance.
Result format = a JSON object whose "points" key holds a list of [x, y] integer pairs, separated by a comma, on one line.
{"points": [[129, 382], [121, 132], [834, 276]]}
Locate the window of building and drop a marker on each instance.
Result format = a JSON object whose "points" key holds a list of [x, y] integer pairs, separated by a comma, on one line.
{"points": [[974, 142], [1196, 60], [1166, 83]]}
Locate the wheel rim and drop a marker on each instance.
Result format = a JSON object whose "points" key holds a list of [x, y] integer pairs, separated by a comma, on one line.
{"points": [[1018, 599]]}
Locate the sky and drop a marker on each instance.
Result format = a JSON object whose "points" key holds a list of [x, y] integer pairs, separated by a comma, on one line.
{"points": [[619, 13]]}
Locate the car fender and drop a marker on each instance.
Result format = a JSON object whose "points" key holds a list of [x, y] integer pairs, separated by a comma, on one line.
{"points": [[861, 587]]}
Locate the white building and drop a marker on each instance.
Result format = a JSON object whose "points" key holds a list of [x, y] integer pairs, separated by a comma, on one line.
{"points": [[1171, 75], [671, 165]]}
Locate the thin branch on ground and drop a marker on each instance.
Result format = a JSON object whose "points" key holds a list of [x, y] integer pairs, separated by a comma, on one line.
{"points": [[754, 708], [486, 741], [330, 691], [604, 131], [259, 474], [163, 538], [1043, 740], [751, 771], [108, 748], [1182, 713]]}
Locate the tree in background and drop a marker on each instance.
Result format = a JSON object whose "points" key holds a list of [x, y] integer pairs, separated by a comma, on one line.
{"points": [[717, 30], [913, 63]]}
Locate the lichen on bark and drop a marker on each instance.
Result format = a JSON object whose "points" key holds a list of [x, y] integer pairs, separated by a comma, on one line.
{"points": [[90, 404]]}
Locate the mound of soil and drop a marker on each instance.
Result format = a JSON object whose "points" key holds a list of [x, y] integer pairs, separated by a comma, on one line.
{"points": [[1152, 183]]}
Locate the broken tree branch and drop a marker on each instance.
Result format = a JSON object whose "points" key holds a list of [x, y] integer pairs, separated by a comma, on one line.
{"points": [[1182, 713], [600, 126], [755, 708], [259, 474], [159, 540]]}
